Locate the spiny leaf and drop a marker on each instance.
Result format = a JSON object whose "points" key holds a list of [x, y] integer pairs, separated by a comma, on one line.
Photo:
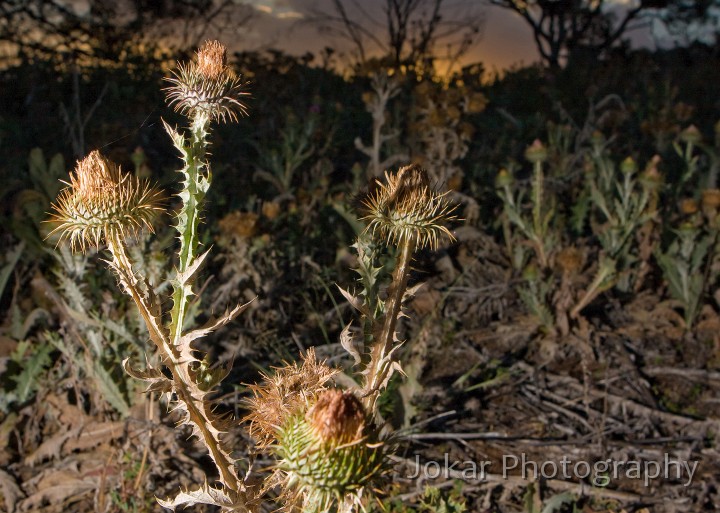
{"points": [[177, 138], [186, 276], [12, 258], [110, 390], [207, 377], [196, 411], [205, 495], [156, 379], [355, 301], [411, 291], [348, 342], [27, 380], [212, 325]]}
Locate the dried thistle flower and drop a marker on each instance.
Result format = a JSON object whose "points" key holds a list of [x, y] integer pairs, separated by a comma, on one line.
{"points": [[327, 451], [688, 206], [289, 389], [407, 209], [711, 198], [569, 260], [207, 86], [102, 203], [242, 225], [337, 416]]}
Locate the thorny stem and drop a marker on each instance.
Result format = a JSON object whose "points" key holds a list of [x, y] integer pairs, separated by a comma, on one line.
{"points": [[378, 369], [189, 214], [182, 379], [123, 267]]}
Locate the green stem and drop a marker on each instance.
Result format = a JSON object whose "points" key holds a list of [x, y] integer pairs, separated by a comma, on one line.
{"points": [[538, 222], [196, 183]]}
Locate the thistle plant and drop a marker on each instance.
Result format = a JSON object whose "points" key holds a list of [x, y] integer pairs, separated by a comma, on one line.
{"points": [[329, 444], [101, 205], [687, 262], [535, 228], [328, 452], [552, 270], [623, 204], [404, 213], [683, 264], [530, 234], [326, 441]]}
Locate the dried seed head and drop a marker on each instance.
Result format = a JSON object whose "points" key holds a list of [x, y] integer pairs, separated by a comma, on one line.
{"points": [[211, 59], [207, 86], [240, 225], [326, 453], [289, 390], [569, 260], [688, 206], [101, 202], [711, 198], [406, 208], [337, 416]]}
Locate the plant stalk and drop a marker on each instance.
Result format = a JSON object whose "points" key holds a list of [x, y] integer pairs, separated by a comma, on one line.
{"points": [[378, 367]]}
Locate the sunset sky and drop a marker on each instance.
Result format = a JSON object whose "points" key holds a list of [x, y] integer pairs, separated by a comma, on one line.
{"points": [[505, 40]]}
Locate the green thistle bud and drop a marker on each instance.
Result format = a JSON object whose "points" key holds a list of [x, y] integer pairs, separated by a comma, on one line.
{"points": [[101, 202], [503, 179], [407, 209], [208, 87], [597, 139], [531, 273], [328, 455], [536, 152], [628, 166], [691, 135]]}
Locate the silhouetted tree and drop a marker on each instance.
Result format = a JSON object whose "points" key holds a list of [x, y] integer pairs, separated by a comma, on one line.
{"points": [[405, 32], [561, 26], [102, 29]]}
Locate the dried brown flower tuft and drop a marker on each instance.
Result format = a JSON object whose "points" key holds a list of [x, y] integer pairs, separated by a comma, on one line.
{"points": [[207, 87], [406, 208], [212, 59], [101, 202], [338, 416], [290, 389]]}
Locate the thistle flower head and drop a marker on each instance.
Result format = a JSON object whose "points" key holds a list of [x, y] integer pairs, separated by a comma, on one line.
{"points": [[290, 389], [327, 453], [536, 152], [207, 86], [101, 202], [406, 208]]}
